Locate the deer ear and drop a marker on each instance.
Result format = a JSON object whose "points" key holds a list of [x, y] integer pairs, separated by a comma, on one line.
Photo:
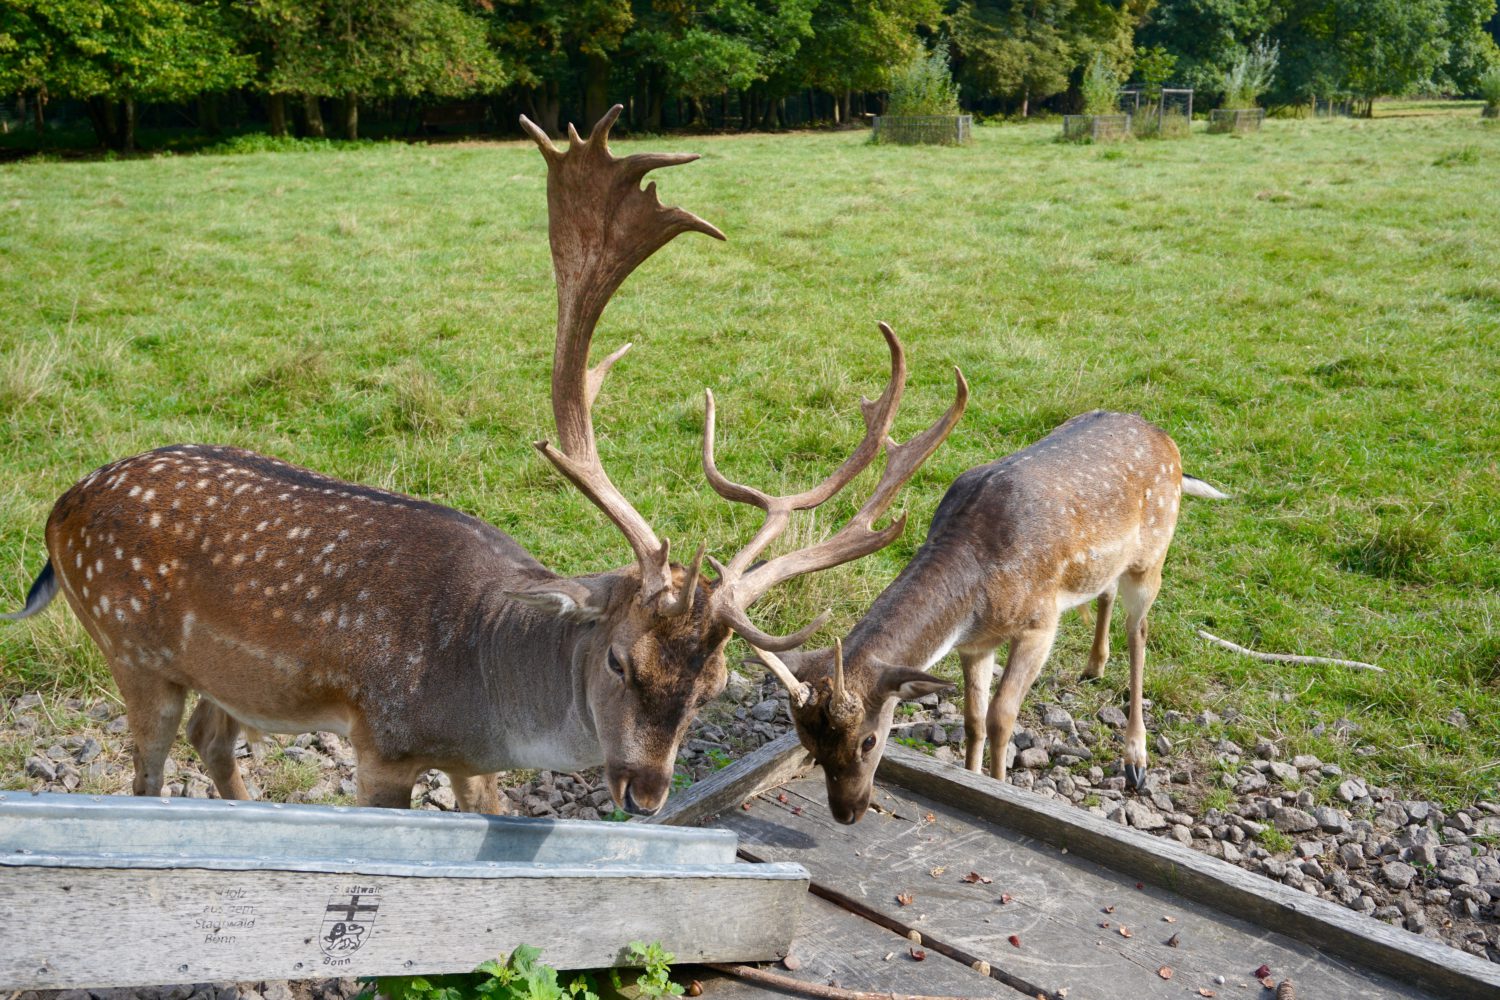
{"points": [[907, 684], [583, 600]]}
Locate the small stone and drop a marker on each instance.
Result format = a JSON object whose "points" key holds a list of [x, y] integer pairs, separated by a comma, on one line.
{"points": [[1112, 717], [1266, 750], [739, 687], [1057, 717], [1397, 874], [1306, 762], [1458, 875], [1143, 817], [765, 710], [1292, 820], [41, 767], [1330, 819], [1206, 718], [1416, 922], [1033, 757], [1284, 773], [1351, 855]]}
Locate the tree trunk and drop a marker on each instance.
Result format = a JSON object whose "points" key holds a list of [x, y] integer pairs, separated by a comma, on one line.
{"points": [[126, 135], [546, 109], [349, 112], [848, 102], [595, 90], [312, 116], [276, 113], [36, 111], [208, 113], [656, 89], [102, 117]]}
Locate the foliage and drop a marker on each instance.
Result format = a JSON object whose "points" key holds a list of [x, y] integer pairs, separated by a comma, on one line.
{"points": [[1154, 65], [655, 980], [519, 977], [854, 46], [924, 86], [1016, 49], [1489, 86], [1100, 88], [1251, 74]]}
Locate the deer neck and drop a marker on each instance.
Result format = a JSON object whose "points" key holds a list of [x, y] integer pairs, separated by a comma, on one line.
{"points": [[916, 620], [540, 716]]}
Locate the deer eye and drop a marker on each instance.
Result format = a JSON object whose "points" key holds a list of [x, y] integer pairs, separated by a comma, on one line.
{"points": [[616, 665], [868, 744]]}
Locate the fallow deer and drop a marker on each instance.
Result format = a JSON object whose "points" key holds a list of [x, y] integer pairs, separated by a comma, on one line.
{"points": [[292, 601], [1084, 513]]}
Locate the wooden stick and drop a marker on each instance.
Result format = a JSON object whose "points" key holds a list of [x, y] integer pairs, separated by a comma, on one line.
{"points": [[814, 989], [1287, 657]]}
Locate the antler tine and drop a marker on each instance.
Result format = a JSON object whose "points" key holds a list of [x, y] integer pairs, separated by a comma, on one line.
{"points": [[602, 225], [683, 603], [798, 691], [878, 416], [858, 537], [735, 617]]}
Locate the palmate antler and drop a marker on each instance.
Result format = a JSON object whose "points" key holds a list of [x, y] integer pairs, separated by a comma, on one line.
{"points": [[602, 225], [741, 583]]}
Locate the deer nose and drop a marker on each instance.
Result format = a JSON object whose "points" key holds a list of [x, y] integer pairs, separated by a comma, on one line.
{"points": [[635, 808]]}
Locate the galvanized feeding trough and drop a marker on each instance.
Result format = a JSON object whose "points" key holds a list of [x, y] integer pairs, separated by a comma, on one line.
{"points": [[99, 891]]}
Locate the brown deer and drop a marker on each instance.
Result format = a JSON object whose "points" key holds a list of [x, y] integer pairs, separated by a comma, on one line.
{"points": [[292, 601], [1083, 514]]}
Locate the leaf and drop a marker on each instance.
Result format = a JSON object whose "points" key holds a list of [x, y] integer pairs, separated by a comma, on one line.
{"points": [[1165, 972], [938, 871], [1268, 982], [905, 898], [1174, 940], [1125, 932], [1015, 940], [1204, 991], [1110, 908], [975, 877], [745, 806], [918, 954], [1104, 924], [1263, 971], [781, 797], [1170, 920], [1140, 885], [930, 817], [1005, 897]]}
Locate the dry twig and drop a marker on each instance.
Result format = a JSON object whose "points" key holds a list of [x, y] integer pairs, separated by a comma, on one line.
{"points": [[1287, 657], [781, 982]]}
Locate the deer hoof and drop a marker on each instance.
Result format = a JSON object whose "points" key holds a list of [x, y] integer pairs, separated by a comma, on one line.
{"points": [[1088, 678], [1135, 777]]}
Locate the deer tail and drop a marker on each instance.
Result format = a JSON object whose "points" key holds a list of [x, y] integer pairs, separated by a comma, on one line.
{"points": [[43, 589]]}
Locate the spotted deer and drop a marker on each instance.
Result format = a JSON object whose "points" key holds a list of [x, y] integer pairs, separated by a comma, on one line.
{"points": [[292, 601], [1083, 514]]}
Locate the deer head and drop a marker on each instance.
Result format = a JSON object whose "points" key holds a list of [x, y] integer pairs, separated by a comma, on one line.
{"points": [[843, 716], [657, 649]]}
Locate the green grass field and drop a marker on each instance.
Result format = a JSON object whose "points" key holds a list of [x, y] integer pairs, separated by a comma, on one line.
{"points": [[1312, 312]]}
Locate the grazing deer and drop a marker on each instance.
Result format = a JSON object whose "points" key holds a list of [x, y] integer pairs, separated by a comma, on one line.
{"points": [[1084, 513], [292, 601]]}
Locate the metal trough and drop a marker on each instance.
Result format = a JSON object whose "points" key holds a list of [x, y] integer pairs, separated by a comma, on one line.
{"points": [[100, 891]]}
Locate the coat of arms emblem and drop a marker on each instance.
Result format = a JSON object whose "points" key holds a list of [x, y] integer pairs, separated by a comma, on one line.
{"points": [[348, 920]]}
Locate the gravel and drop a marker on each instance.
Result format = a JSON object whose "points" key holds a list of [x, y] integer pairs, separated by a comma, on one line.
{"points": [[1409, 862]]}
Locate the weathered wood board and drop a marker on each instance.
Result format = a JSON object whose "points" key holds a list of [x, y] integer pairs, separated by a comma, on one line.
{"points": [[71, 928], [137, 892], [836, 946], [1336, 932], [1066, 913]]}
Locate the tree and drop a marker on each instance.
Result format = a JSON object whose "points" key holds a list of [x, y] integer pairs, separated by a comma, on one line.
{"points": [[704, 48], [550, 42], [1206, 35], [357, 49], [1015, 49], [114, 54], [855, 47]]}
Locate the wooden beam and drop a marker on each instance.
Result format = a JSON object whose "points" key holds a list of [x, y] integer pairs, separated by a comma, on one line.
{"points": [[777, 762], [1430, 965]]}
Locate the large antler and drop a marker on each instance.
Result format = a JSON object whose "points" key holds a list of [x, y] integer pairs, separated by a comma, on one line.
{"points": [[602, 225], [741, 585]]}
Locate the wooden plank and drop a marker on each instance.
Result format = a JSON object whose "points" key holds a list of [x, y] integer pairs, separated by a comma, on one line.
{"points": [[1056, 907], [1335, 930], [835, 946], [780, 760], [105, 927]]}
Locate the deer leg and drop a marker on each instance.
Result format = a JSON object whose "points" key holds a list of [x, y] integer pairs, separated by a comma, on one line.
{"points": [[153, 709], [1028, 651], [214, 732], [1099, 653], [979, 671], [378, 781], [1137, 591], [478, 793]]}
